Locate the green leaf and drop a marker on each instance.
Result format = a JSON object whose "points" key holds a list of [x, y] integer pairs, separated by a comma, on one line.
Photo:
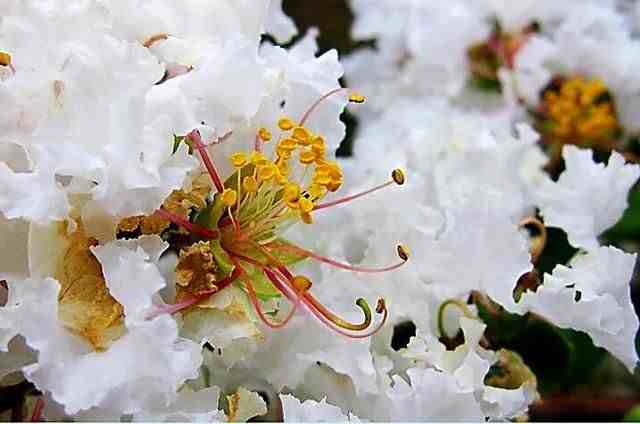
{"points": [[633, 416], [222, 258]]}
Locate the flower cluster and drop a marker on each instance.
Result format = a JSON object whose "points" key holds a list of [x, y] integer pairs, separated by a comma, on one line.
{"points": [[180, 242]]}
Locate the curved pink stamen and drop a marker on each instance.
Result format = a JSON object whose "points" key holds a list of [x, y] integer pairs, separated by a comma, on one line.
{"points": [[337, 264], [306, 115], [352, 196]]}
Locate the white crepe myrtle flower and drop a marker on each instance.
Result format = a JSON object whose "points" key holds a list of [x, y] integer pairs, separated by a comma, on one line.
{"points": [[75, 103], [473, 40], [469, 364], [588, 198], [69, 351], [416, 401], [580, 80], [593, 295], [311, 411], [189, 406]]}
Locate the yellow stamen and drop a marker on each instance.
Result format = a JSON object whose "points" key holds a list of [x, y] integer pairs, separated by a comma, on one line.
{"points": [[249, 184], [266, 172], [257, 158], [306, 218], [307, 157], [301, 283], [305, 205], [285, 124], [239, 159], [291, 192], [301, 135], [398, 176], [264, 134], [357, 98], [229, 197], [287, 145], [403, 253]]}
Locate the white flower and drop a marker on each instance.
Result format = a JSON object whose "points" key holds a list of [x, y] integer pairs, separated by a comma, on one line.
{"points": [[594, 43], [431, 396], [592, 295], [312, 411], [588, 198], [113, 379]]}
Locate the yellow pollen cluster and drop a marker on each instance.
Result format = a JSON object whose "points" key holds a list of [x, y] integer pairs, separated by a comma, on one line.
{"points": [[298, 147], [581, 112]]}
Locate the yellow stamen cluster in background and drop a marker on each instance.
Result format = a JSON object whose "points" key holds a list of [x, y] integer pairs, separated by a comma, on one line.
{"points": [[580, 112], [297, 149]]}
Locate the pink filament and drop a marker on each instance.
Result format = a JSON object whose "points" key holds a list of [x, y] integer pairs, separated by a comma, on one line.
{"points": [[256, 304], [185, 223], [36, 416], [352, 197], [196, 139], [317, 103], [307, 301], [337, 264]]}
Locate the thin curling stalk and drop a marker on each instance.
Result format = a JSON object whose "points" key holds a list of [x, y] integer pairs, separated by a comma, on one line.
{"points": [[397, 177]]}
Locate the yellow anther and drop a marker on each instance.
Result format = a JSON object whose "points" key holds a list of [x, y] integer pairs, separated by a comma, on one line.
{"points": [[229, 197], [293, 204], [285, 124], [266, 172], [357, 98], [239, 159], [398, 176], [318, 143], [291, 192], [306, 218], [317, 191], [334, 185], [403, 253], [301, 283], [287, 145], [257, 158], [307, 157], [249, 184], [5, 59], [321, 178], [305, 204], [264, 134], [281, 178], [302, 135]]}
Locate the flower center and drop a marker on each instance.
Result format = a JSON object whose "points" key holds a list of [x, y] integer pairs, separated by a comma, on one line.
{"points": [[238, 233], [578, 110], [499, 50]]}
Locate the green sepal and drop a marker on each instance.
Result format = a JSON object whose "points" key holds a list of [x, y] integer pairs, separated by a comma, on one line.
{"points": [[224, 262], [288, 257], [285, 257], [208, 217], [264, 288], [232, 180]]}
